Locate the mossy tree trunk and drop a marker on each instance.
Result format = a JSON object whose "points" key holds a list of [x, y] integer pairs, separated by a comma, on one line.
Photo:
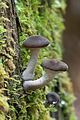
{"points": [[9, 46], [12, 31]]}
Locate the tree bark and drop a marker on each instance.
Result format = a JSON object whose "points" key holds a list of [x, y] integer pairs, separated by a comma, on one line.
{"points": [[10, 52]]}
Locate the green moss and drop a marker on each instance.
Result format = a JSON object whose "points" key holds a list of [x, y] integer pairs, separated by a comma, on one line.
{"points": [[42, 18]]}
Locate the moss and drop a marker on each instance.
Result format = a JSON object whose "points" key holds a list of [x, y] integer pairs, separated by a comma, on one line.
{"points": [[42, 17]]}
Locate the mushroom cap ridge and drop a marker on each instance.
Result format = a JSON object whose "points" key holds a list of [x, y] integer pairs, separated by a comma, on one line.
{"points": [[35, 41], [55, 65]]}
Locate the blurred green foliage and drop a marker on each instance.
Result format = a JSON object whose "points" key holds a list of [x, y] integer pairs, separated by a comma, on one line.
{"points": [[42, 17]]}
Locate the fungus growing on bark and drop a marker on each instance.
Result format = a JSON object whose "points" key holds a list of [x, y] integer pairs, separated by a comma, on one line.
{"points": [[52, 98], [34, 42], [52, 67]]}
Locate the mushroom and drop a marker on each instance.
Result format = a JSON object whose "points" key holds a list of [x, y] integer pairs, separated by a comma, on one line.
{"points": [[34, 42], [52, 67], [52, 98]]}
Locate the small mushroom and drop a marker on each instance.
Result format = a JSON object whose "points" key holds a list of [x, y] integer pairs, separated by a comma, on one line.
{"points": [[52, 67], [34, 42], [52, 98]]}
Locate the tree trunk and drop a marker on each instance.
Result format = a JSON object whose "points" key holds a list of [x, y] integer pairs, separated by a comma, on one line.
{"points": [[10, 52], [12, 30]]}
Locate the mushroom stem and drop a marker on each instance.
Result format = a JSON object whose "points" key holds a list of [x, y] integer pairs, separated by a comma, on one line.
{"points": [[28, 73], [41, 82]]}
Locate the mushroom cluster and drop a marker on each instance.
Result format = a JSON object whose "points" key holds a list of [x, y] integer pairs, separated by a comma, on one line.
{"points": [[51, 67]]}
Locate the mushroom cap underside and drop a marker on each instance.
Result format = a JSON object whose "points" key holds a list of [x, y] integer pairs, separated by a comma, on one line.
{"points": [[54, 65], [35, 41]]}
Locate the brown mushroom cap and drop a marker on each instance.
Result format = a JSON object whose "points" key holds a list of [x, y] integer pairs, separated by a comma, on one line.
{"points": [[55, 65], [35, 41]]}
